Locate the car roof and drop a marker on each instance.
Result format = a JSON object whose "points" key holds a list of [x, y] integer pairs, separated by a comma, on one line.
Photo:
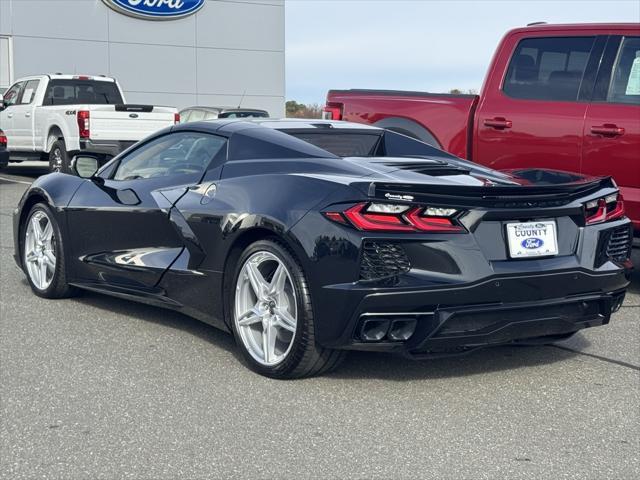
{"points": [[99, 78], [61, 76], [223, 109], [309, 123], [612, 28], [229, 126]]}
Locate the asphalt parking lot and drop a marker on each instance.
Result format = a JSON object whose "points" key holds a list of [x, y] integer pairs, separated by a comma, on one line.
{"points": [[96, 387]]}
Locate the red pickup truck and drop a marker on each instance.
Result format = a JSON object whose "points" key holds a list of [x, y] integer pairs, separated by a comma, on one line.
{"points": [[565, 97]]}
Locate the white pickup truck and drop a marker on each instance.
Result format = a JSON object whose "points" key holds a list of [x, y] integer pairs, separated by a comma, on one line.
{"points": [[52, 117]]}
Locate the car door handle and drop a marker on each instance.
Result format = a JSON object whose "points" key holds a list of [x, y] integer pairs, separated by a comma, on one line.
{"points": [[9, 115], [498, 123], [607, 130], [28, 114]]}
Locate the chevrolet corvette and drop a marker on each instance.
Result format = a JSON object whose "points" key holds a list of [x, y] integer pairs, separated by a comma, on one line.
{"points": [[306, 239]]}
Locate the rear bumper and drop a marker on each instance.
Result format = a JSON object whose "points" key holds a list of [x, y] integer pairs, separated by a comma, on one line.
{"points": [[496, 311], [461, 330], [105, 147]]}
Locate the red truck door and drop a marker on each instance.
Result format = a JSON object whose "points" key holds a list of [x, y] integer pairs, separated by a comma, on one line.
{"points": [[612, 124], [533, 106]]}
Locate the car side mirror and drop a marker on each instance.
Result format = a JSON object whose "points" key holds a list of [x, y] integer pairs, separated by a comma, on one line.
{"points": [[85, 166]]}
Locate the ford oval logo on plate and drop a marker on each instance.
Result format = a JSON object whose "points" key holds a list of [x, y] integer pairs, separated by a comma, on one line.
{"points": [[156, 9], [532, 243]]}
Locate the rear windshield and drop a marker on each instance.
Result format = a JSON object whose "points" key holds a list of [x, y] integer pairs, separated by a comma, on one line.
{"points": [[244, 114], [342, 144], [89, 92]]}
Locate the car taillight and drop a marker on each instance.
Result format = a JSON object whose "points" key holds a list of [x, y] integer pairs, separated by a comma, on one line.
{"points": [[176, 118], [332, 111], [3, 139], [604, 209], [382, 217], [84, 129]]}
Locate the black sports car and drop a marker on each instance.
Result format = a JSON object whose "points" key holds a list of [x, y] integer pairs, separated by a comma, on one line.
{"points": [[308, 238]]}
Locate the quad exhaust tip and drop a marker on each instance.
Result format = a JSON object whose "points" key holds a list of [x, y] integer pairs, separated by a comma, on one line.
{"points": [[617, 302], [389, 329]]}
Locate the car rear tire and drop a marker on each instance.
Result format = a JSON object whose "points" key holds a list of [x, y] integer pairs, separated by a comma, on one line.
{"points": [[42, 251], [271, 313], [59, 158]]}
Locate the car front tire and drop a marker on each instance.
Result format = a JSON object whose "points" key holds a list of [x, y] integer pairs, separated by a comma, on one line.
{"points": [[43, 258], [271, 314]]}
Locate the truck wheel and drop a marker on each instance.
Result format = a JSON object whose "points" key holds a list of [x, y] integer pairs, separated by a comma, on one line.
{"points": [[59, 158]]}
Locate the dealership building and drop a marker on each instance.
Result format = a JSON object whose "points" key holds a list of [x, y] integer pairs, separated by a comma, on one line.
{"points": [[163, 52]]}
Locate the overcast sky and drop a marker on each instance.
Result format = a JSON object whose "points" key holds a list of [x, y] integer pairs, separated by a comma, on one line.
{"points": [[414, 45]]}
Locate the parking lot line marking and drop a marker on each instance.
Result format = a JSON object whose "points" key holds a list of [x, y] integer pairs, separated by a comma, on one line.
{"points": [[599, 357], [15, 181]]}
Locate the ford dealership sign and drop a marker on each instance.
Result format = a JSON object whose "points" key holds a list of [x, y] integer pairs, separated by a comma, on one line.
{"points": [[156, 9]]}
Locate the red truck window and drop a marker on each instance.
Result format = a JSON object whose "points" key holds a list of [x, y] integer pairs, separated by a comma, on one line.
{"points": [[625, 83], [548, 68]]}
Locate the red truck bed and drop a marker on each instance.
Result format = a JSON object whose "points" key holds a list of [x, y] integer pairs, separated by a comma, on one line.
{"points": [[448, 116]]}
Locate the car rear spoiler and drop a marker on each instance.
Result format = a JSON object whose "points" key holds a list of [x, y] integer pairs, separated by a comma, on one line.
{"points": [[134, 108], [493, 196]]}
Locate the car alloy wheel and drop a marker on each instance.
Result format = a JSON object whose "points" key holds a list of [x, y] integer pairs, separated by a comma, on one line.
{"points": [[40, 250], [265, 312]]}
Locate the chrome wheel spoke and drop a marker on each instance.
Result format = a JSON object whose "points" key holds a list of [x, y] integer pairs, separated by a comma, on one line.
{"points": [[258, 282], [31, 257], [36, 229], [277, 282], [285, 320], [269, 336], [47, 233], [35, 273], [43, 273], [50, 258], [249, 318]]}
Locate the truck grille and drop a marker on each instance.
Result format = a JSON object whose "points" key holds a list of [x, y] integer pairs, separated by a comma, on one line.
{"points": [[615, 245], [383, 259]]}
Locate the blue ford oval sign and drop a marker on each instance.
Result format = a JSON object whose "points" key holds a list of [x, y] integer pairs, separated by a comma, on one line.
{"points": [[531, 243], [156, 9]]}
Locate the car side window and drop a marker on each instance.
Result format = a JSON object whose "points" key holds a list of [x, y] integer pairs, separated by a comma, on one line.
{"points": [[12, 95], [625, 81], [29, 92], [180, 153], [548, 68]]}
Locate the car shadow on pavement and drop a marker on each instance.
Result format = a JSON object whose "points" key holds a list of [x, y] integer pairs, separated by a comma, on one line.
{"points": [[160, 316], [383, 366], [358, 365]]}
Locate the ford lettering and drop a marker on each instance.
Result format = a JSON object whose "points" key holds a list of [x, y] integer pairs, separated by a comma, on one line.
{"points": [[156, 9]]}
